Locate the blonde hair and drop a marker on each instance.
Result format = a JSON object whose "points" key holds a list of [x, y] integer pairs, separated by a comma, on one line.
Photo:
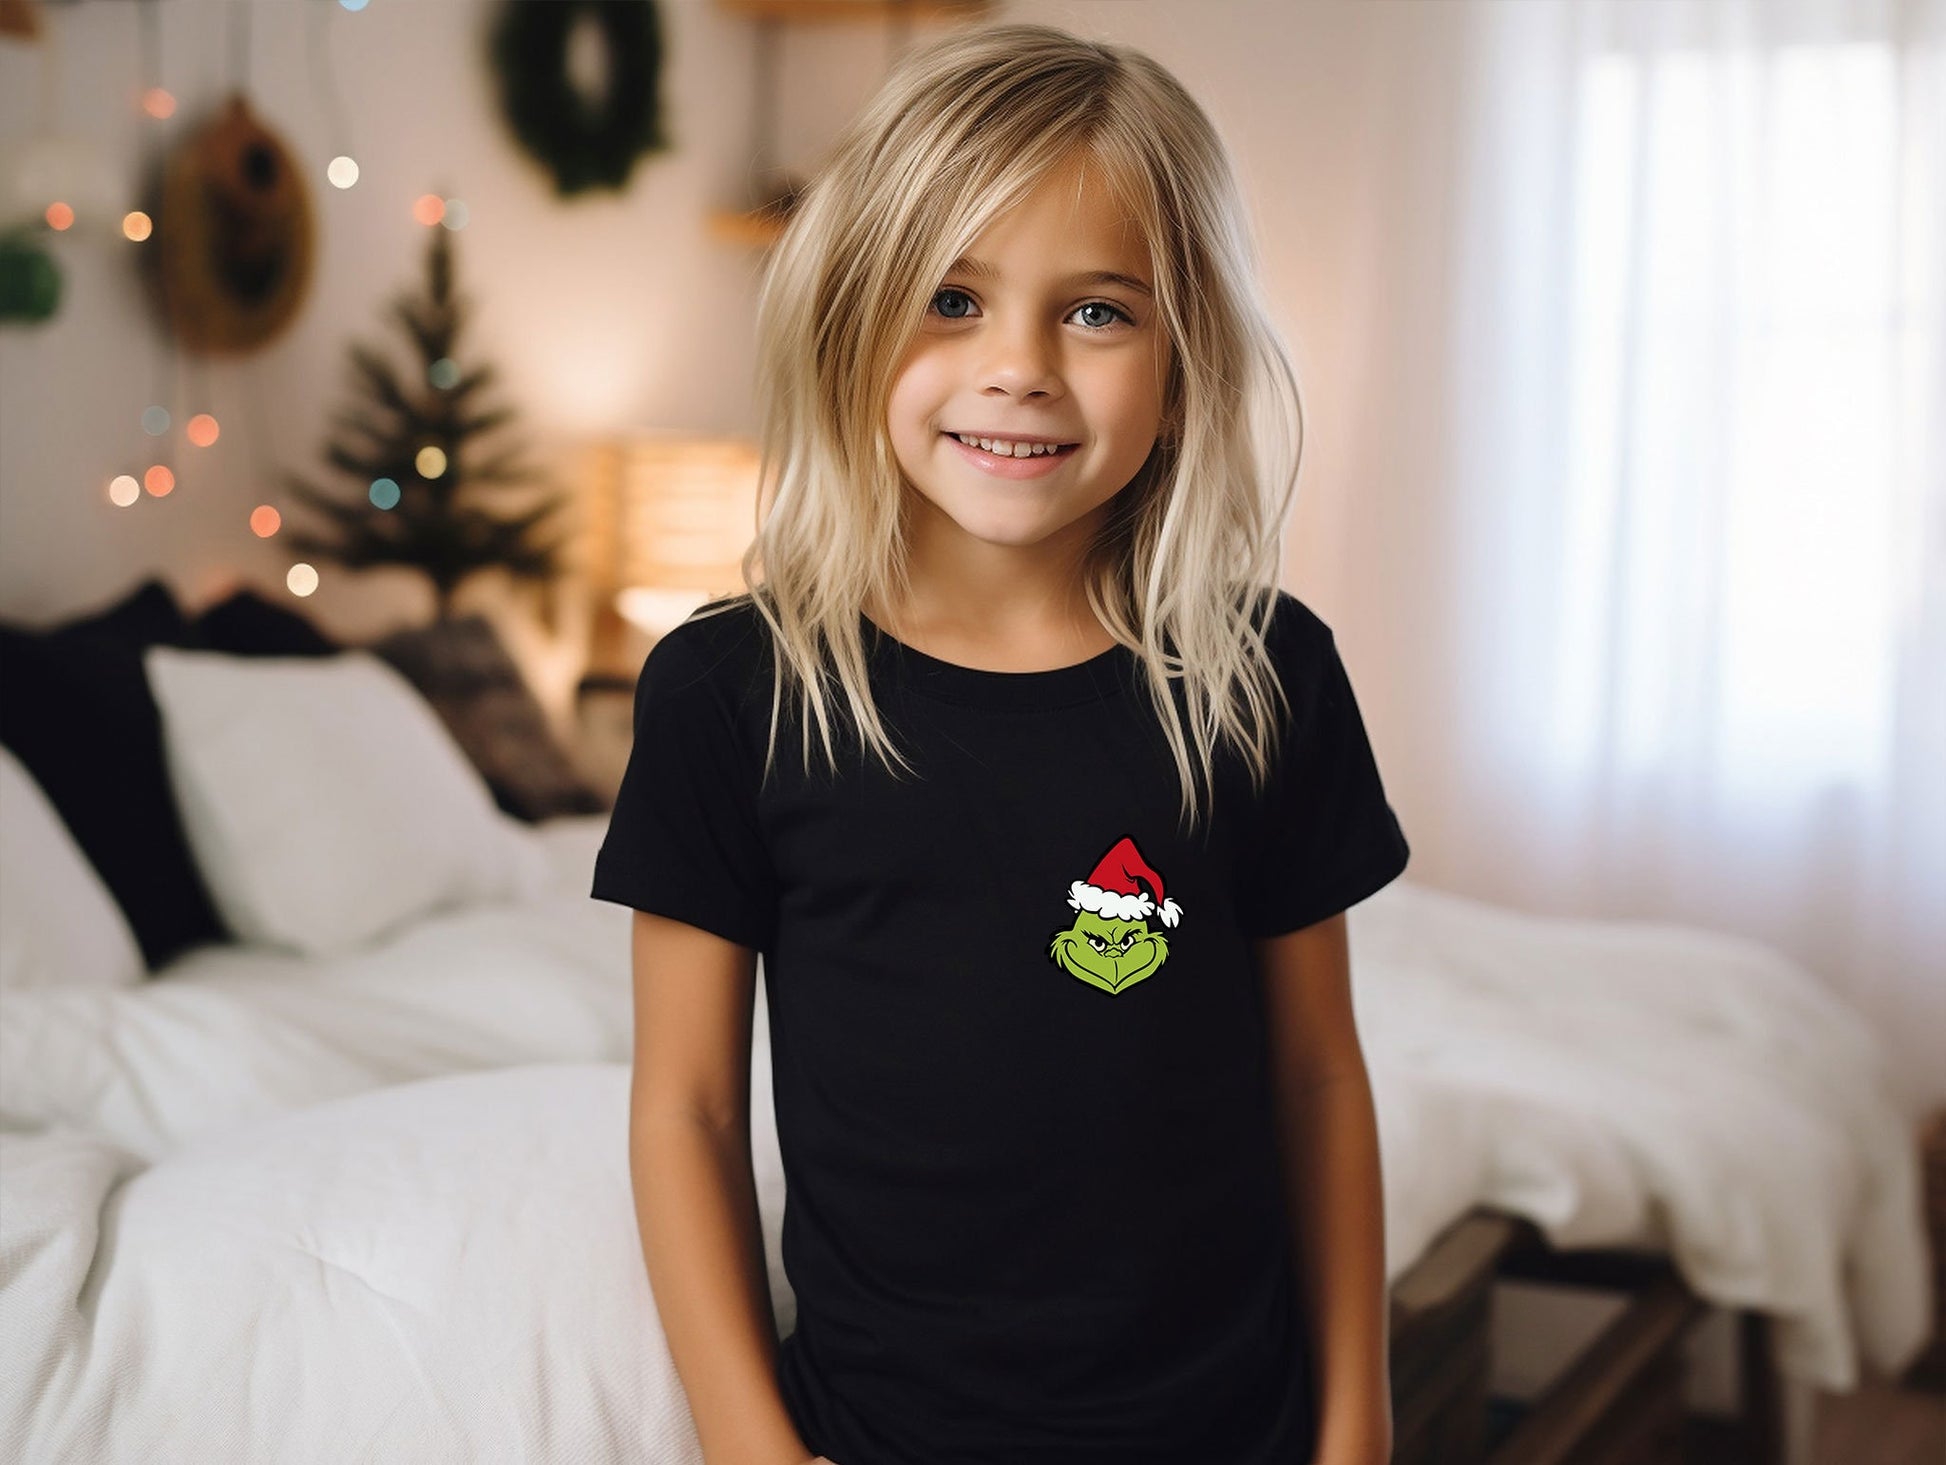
{"points": [[1184, 568]]}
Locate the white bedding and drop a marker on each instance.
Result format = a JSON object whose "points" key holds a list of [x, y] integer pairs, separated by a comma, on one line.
{"points": [[230, 1033], [1634, 1084], [448, 1268], [444, 1271]]}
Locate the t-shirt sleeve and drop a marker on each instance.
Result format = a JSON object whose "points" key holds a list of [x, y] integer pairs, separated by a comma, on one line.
{"points": [[1328, 838], [684, 839]]}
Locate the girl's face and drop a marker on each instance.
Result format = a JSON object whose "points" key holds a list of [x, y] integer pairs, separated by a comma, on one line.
{"points": [[1044, 333]]}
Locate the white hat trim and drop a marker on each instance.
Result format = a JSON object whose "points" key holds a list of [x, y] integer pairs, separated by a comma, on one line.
{"points": [[1115, 906]]}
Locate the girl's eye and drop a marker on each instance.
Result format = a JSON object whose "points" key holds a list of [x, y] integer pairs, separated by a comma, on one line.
{"points": [[1097, 315], [953, 304], [1104, 314]]}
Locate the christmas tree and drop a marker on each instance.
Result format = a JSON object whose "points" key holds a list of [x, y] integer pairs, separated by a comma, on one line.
{"points": [[432, 496]]}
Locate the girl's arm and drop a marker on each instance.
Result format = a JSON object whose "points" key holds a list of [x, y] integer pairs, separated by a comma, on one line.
{"points": [[1328, 1134], [695, 1195]]}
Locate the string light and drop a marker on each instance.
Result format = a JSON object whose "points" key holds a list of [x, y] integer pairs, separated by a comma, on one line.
{"points": [[429, 209], [342, 171], [443, 373], [354, 6], [201, 429], [384, 493], [302, 579], [455, 214], [430, 461], [59, 216], [155, 420], [123, 490], [158, 102], [265, 521], [159, 479], [137, 225]]}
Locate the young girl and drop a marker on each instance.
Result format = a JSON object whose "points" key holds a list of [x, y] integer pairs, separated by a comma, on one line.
{"points": [[1042, 805]]}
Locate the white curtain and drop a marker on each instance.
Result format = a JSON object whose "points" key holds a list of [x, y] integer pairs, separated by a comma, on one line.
{"points": [[1695, 482]]}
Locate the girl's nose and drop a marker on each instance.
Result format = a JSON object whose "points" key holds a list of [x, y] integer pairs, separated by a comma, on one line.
{"points": [[1019, 363]]}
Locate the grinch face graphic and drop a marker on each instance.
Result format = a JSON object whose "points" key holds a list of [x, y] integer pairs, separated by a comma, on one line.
{"points": [[1110, 945]]}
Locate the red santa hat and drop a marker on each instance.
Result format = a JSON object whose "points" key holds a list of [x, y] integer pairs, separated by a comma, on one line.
{"points": [[1112, 890]]}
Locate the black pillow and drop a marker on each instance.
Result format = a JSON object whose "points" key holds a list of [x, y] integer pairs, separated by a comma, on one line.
{"points": [[75, 708], [248, 625]]}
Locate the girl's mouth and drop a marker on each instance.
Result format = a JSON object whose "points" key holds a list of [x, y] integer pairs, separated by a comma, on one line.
{"points": [[1008, 458]]}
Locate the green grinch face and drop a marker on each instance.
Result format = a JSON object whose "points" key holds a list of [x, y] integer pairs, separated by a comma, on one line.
{"points": [[1111, 955]]}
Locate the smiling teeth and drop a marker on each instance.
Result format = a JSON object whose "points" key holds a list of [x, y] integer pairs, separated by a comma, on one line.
{"points": [[1009, 450]]}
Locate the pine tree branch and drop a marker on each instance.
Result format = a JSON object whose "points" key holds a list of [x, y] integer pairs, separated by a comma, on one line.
{"points": [[334, 506], [383, 381], [485, 421]]}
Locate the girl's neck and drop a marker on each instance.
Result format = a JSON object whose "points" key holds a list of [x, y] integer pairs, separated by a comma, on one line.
{"points": [[1016, 644]]}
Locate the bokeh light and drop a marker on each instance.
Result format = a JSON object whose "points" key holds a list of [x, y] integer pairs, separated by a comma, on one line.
{"points": [[137, 225], [342, 171], [201, 429], [431, 462], [155, 420], [59, 216], [384, 493], [158, 102], [159, 479], [456, 214], [123, 490], [443, 373], [302, 579], [429, 209], [353, 5], [265, 521]]}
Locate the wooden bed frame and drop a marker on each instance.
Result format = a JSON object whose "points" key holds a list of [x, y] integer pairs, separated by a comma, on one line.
{"points": [[1619, 1401]]}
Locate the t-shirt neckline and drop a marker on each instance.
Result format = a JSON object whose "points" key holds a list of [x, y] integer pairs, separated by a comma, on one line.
{"points": [[1099, 677]]}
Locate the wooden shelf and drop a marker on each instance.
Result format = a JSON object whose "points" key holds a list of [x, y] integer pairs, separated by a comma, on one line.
{"points": [[758, 228], [817, 12], [761, 227]]}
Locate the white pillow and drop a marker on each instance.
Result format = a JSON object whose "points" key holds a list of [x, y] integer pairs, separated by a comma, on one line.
{"points": [[59, 925], [325, 801]]}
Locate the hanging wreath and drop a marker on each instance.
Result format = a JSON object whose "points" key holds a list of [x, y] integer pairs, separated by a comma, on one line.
{"points": [[585, 141]]}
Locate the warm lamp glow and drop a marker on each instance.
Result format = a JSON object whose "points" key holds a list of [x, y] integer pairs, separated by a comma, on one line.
{"points": [[670, 518], [159, 480], [265, 521]]}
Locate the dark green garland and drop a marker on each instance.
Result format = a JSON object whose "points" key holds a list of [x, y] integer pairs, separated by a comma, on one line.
{"points": [[584, 143]]}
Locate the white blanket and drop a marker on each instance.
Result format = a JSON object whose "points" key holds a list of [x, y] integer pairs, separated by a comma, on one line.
{"points": [[443, 1271], [231, 1033], [1636, 1084], [448, 1268]]}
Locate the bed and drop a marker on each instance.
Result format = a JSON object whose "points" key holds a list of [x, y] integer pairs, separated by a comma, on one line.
{"points": [[320, 1199]]}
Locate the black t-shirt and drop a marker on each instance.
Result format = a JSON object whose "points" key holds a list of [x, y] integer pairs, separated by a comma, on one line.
{"points": [[1022, 1080]]}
